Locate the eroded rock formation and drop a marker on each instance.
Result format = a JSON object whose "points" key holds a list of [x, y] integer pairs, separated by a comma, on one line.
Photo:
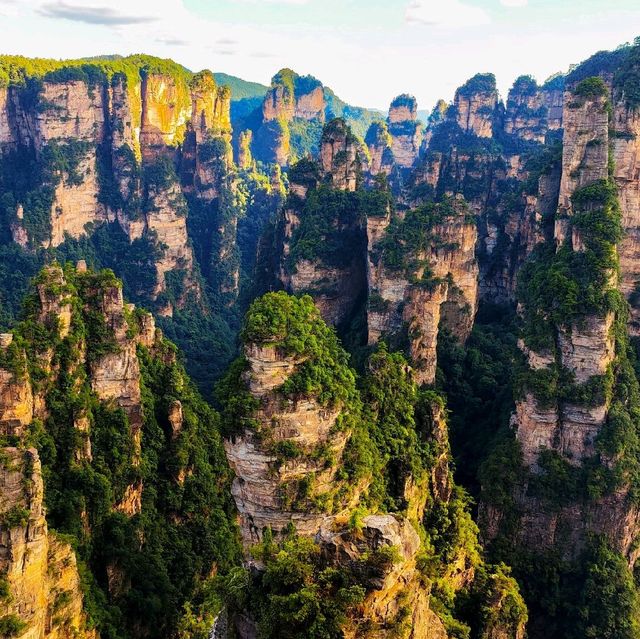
{"points": [[44, 597], [420, 285], [326, 258]]}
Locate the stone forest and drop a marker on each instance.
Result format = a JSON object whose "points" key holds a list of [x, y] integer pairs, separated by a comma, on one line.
{"points": [[275, 366]]}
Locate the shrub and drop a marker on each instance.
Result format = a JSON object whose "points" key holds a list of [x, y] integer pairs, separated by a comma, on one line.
{"points": [[591, 88]]}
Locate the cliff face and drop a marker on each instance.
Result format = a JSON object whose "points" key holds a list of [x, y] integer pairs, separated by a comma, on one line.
{"points": [[166, 107], [475, 104], [497, 160], [304, 471], [322, 237], [405, 130], [379, 142], [124, 147], [625, 156], [571, 399], [420, 285], [533, 111], [584, 348], [281, 103], [292, 103], [90, 381], [395, 587], [267, 485], [44, 595]]}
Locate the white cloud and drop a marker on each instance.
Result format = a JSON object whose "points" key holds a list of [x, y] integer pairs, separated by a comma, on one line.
{"points": [[445, 13], [93, 13], [514, 3], [9, 8]]}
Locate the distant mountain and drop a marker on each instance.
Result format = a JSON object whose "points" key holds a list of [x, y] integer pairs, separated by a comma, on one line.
{"points": [[240, 88]]}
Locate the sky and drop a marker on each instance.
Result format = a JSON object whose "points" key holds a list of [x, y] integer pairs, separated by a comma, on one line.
{"points": [[367, 51]]}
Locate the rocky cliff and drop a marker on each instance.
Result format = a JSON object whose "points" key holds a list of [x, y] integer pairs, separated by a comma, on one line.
{"points": [[313, 467], [422, 276], [405, 130], [127, 163], [42, 596], [105, 140], [572, 496], [475, 105], [288, 124], [581, 352], [95, 403], [321, 230]]}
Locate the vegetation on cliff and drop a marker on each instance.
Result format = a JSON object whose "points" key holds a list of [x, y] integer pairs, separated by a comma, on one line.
{"points": [[185, 518], [396, 457]]}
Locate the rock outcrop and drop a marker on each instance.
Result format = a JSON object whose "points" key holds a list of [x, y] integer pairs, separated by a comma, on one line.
{"points": [[291, 99], [332, 270], [417, 285], [393, 589], [44, 599], [267, 486], [475, 105], [570, 400], [526, 111], [405, 130], [506, 166], [379, 143], [625, 155], [120, 149], [292, 451]]}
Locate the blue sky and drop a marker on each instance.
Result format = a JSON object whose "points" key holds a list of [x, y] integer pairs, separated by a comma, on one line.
{"points": [[368, 51]]}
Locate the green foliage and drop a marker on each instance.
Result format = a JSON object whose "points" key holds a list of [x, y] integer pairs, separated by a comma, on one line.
{"points": [[591, 88], [359, 119], [294, 327], [389, 402], [592, 597], [186, 516], [11, 625], [378, 134], [5, 589], [525, 85], [479, 83], [560, 287], [17, 267], [17, 70], [305, 172], [269, 138], [609, 604], [237, 404], [627, 76], [602, 63], [297, 595], [161, 174], [404, 100], [240, 89], [409, 239], [494, 604], [477, 379], [329, 228], [452, 532], [15, 517], [304, 137], [285, 78]]}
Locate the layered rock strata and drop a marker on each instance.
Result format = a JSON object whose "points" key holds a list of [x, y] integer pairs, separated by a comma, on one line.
{"points": [[436, 284]]}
